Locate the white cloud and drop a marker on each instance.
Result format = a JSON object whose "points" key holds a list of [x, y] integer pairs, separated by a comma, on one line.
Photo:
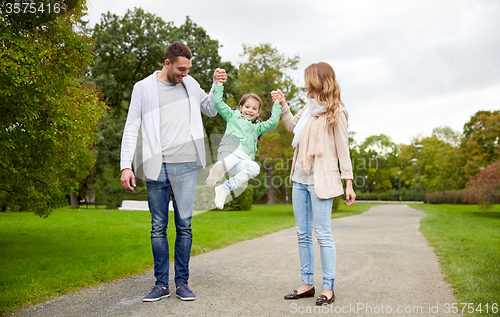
{"points": [[404, 119], [405, 67]]}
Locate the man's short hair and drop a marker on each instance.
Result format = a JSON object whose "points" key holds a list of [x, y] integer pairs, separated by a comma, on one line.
{"points": [[175, 50]]}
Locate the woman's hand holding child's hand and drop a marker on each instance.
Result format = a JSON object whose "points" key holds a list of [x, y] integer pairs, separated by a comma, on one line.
{"points": [[278, 97]]}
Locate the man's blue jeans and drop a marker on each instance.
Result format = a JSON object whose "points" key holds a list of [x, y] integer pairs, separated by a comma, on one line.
{"points": [[180, 180], [310, 212]]}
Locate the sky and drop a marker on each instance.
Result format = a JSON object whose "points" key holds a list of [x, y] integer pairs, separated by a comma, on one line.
{"points": [[404, 67]]}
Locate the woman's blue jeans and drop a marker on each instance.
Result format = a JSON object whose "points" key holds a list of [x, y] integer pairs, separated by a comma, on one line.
{"points": [[310, 212], [179, 180]]}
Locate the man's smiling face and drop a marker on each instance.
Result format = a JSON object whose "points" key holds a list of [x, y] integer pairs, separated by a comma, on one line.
{"points": [[177, 70]]}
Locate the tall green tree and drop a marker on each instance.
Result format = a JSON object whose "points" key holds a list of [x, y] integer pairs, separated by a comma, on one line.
{"points": [[377, 159], [205, 60], [480, 145], [48, 116], [439, 171], [476, 121], [263, 71], [130, 48], [449, 167], [447, 135]]}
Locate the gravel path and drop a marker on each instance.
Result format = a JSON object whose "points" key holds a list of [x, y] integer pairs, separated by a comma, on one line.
{"points": [[384, 267]]}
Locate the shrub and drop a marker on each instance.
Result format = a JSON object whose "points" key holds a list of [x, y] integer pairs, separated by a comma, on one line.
{"points": [[114, 196], [205, 199], [337, 201], [243, 202], [449, 197], [409, 195], [484, 189], [390, 195], [366, 196]]}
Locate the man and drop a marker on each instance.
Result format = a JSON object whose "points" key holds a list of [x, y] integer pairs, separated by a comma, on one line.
{"points": [[166, 106]]}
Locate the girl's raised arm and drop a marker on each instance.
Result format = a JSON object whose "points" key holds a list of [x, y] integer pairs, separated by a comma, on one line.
{"points": [[289, 119], [219, 104]]}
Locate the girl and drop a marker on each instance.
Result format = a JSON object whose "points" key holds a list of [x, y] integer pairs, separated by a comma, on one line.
{"points": [[321, 143], [237, 149]]}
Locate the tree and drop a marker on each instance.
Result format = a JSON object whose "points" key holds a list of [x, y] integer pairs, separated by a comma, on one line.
{"points": [[476, 121], [275, 150], [127, 50], [449, 141], [130, 48], [47, 116], [376, 157], [379, 145], [439, 170], [447, 135], [484, 189], [262, 72], [481, 143], [205, 60]]}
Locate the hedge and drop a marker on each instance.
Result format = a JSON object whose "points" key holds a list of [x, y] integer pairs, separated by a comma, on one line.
{"points": [[204, 199], [114, 196], [391, 195], [449, 197]]}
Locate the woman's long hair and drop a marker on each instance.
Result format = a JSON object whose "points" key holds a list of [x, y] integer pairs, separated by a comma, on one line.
{"points": [[324, 88]]}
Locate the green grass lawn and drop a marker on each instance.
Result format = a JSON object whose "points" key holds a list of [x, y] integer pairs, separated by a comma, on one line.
{"points": [[467, 242], [71, 249]]}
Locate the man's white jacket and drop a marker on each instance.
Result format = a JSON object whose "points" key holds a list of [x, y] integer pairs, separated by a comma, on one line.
{"points": [[144, 113]]}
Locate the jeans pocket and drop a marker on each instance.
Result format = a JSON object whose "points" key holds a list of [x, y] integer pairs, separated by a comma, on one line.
{"points": [[193, 165]]}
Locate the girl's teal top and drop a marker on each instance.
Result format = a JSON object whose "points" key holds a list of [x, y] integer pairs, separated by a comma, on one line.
{"points": [[241, 133]]}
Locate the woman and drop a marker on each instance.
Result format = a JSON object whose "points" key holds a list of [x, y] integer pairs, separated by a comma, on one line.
{"points": [[321, 142]]}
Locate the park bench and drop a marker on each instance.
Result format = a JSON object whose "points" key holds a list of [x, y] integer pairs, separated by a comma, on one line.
{"points": [[90, 199]]}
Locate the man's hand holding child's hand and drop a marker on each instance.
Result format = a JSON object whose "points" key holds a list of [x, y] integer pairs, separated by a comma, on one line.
{"points": [[220, 76]]}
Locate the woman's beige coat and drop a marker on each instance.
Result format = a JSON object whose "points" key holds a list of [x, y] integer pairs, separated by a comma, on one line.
{"points": [[327, 177]]}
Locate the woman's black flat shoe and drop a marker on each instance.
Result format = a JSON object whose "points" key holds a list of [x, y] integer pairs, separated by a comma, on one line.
{"points": [[322, 299], [295, 295]]}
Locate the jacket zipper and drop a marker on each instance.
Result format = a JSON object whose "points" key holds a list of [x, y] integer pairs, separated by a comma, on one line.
{"points": [[248, 143]]}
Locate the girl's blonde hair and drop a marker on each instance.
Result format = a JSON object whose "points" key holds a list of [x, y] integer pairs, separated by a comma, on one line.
{"points": [[324, 88], [250, 95]]}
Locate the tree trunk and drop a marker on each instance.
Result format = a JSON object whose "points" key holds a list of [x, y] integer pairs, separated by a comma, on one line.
{"points": [[74, 200], [270, 191]]}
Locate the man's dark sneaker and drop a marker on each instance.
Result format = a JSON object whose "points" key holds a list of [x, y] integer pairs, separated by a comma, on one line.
{"points": [[157, 293], [184, 293]]}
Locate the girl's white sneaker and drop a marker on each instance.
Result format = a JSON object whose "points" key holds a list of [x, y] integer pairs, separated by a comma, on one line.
{"points": [[220, 196], [216, 173]]}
